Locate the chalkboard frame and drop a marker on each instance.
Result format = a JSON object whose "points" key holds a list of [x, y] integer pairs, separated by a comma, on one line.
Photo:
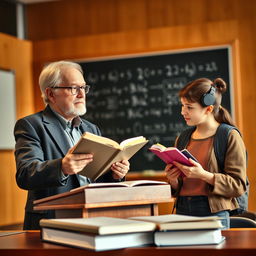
{"points": [[229, 47]]}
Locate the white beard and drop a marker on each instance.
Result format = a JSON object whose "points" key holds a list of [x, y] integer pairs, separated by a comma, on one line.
{"points": [[77, 111]]}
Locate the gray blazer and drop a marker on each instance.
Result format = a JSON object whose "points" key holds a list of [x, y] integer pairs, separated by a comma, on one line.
{"points": [[41, 144]]}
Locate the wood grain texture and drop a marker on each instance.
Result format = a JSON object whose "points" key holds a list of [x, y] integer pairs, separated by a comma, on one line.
{"points": [[15, 55]]}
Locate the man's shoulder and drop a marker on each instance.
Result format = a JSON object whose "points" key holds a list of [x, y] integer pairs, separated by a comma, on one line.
{"points": [[32, 117]]}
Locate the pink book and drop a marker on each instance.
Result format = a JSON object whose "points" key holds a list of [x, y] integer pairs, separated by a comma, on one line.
{"points": [[168, 155]]}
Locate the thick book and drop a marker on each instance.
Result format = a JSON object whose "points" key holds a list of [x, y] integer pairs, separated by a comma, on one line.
{"points": [[96, 242], [182, 222], [171, 154], [105, 152], [99, 225], [189, 237]]}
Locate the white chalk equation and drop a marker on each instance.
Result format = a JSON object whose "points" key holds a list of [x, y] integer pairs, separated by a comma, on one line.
{"points": [[140, 73]]}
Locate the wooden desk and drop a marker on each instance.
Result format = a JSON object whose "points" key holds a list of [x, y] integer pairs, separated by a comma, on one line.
{"points": [[237, 243]]}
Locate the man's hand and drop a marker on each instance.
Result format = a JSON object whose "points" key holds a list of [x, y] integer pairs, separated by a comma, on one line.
{"points": [[120, 169], [74, 163]]}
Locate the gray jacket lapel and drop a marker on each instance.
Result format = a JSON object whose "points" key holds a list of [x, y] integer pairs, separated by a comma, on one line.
{"points": [[55, 130]]}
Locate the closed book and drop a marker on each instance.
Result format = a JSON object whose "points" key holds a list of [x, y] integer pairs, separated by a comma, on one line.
{"points": [[182, 222], [94, 241], [189, 237], [105, 152], [99, 225]]}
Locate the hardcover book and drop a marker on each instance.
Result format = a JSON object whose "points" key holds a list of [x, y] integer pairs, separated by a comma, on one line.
{"points": [[99, 225], [188, 237], [105, 152], [97, 233], [182, 222], [96, 242], [171, 154]]}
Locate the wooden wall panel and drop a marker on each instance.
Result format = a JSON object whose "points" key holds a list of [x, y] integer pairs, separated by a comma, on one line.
{"points": [[88, 17], [15, 55]]}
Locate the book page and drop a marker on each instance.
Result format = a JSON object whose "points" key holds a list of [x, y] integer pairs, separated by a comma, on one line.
{"points": [[158, 146], [131, 183], [132, 141], [125, 154], [100, 139]]}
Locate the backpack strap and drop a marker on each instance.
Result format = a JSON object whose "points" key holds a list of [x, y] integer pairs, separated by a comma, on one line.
{"points": [[220, 143], [184, 138]]}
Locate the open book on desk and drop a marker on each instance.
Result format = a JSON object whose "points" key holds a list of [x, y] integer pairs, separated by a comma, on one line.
{"points": [[130, 183], [105, 152]]}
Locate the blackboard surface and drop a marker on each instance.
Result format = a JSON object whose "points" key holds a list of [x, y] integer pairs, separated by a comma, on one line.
{"points": [[138, 95]]}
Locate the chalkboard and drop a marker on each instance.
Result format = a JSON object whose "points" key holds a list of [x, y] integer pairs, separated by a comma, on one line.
{"points": [[138, 95]]}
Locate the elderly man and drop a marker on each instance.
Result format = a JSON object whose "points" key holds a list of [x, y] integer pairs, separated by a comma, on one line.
{"points": [[44, 141]]}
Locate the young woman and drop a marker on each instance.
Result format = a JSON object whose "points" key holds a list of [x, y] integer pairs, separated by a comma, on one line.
{"points": [[204, 189]]}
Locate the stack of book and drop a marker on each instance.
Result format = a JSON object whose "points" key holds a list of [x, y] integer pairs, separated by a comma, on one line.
{"points": [[98, 233], [175, 229], [108, 233]]}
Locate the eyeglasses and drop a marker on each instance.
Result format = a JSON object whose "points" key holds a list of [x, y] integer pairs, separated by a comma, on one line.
{"points": [[74, 89]]}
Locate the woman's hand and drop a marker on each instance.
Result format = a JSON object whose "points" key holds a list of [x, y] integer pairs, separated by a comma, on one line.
{"points": [[172, 175], [195, 171]]}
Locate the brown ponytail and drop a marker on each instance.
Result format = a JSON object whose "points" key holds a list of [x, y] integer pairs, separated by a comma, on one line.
{"points": [[220, 113]]}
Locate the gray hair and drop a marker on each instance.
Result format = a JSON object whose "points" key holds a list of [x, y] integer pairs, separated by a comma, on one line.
{"points": [[51, 75]]}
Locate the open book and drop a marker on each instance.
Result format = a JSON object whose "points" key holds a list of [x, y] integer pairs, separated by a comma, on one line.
{"points": [[130, 183], [105, 152], [170, 154], [182, 222]]}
